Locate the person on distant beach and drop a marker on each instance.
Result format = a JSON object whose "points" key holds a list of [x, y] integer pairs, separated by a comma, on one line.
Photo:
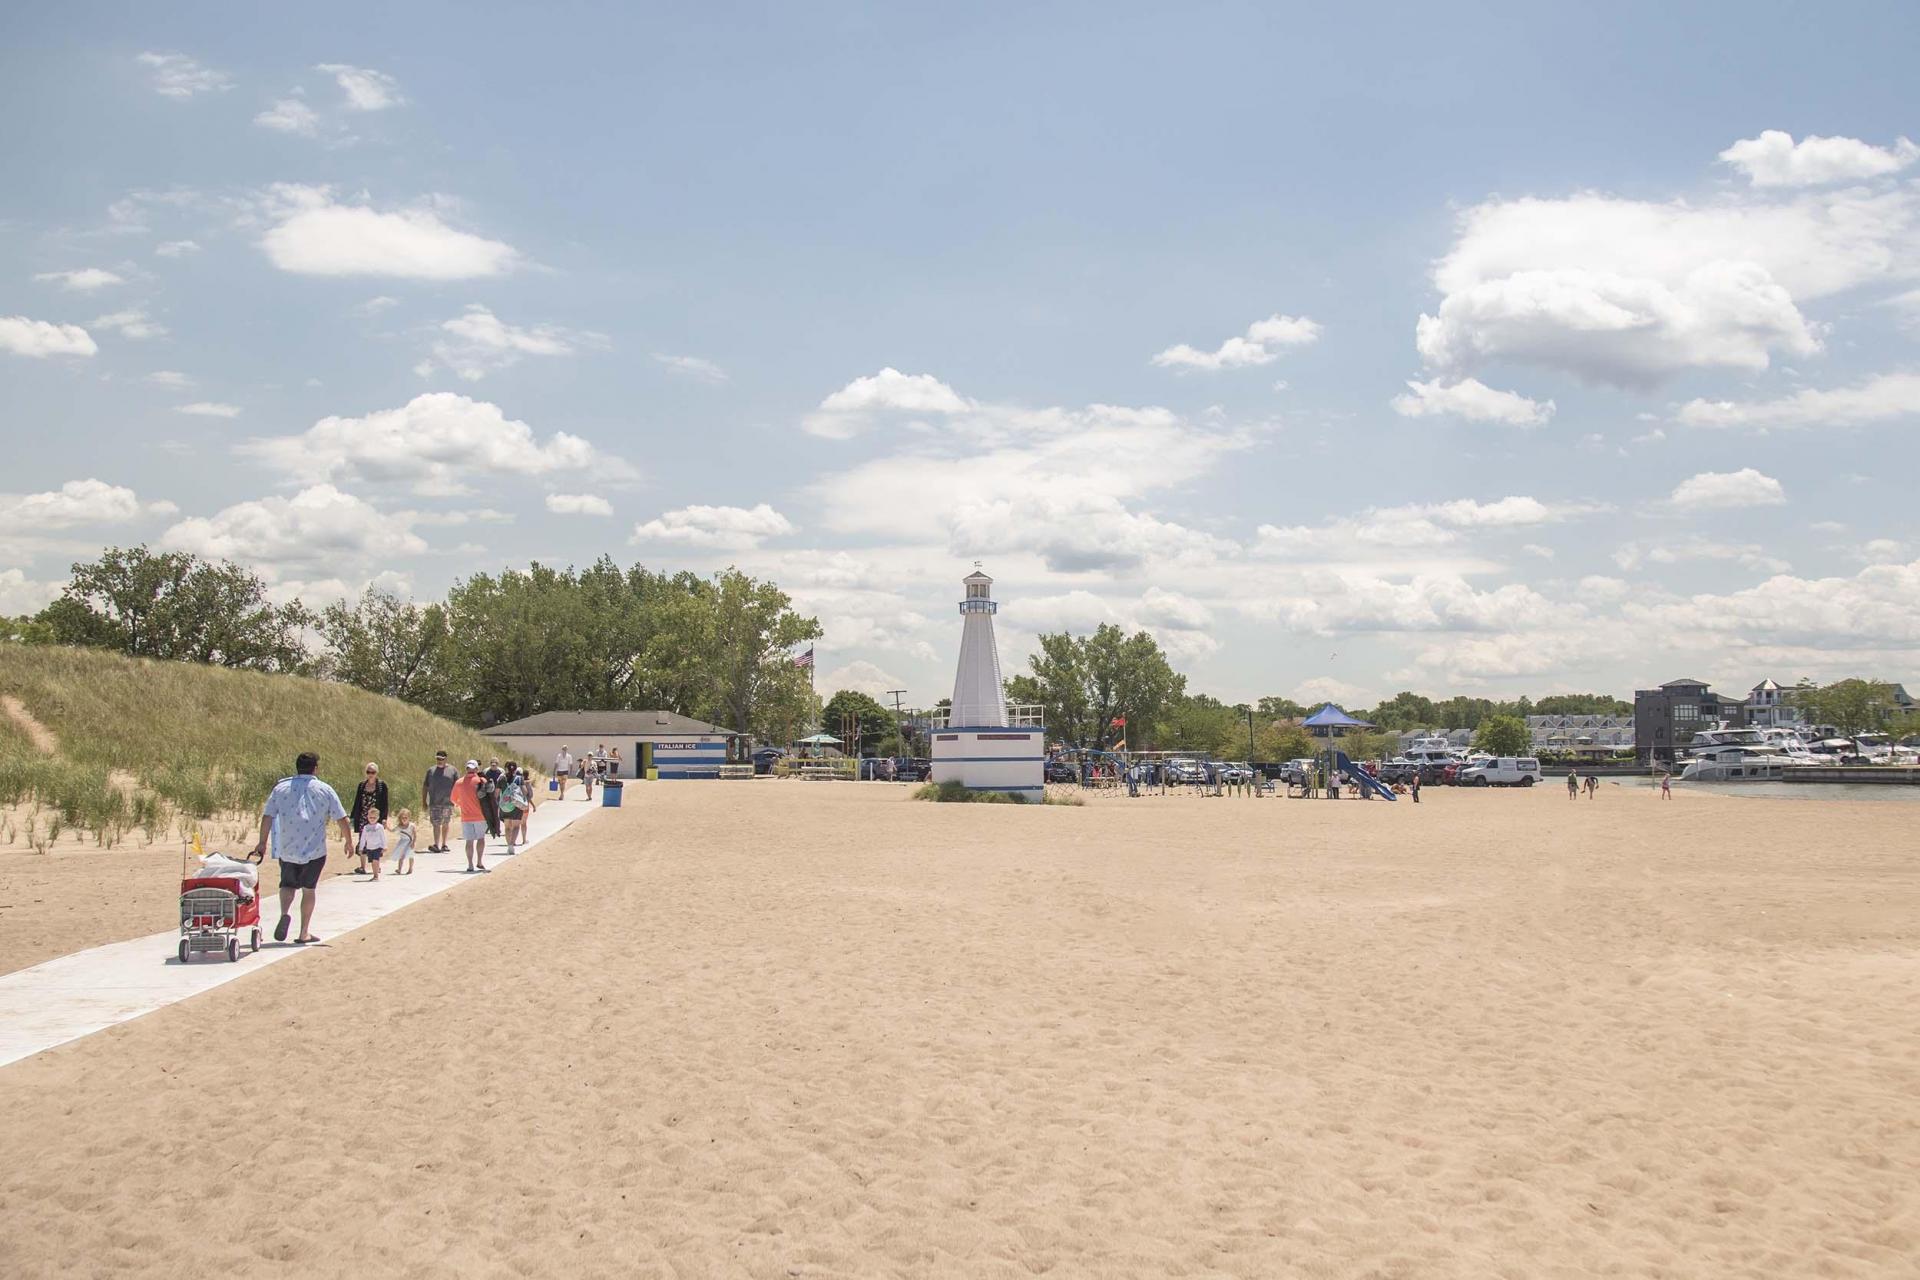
{"points": [[1413, 785], [403, 838], [437, 794], [563, 769], [372, 841], [513, 804], [473, 817], [585, 768], [370, 797], [1573, 785], [490, 796], [1593, 786], [296, 815], [1666, 786]]}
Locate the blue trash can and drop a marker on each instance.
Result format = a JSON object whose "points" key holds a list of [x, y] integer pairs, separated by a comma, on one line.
{"points": [[610, 793]]}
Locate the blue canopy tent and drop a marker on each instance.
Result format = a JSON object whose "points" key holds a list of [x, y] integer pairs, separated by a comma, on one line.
{"points": [[1331, 719]]}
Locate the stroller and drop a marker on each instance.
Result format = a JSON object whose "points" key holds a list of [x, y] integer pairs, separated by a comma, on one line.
{"points": [[217, 905]]}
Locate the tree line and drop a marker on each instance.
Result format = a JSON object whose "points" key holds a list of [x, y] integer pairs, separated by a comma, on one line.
{"points": [[497, 648]]}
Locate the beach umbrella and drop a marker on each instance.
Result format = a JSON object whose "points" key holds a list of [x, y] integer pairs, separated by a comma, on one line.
{"points": [[826, 738]]}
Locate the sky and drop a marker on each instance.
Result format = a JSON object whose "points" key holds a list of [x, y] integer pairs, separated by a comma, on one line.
{"points": [[1462, 349]]}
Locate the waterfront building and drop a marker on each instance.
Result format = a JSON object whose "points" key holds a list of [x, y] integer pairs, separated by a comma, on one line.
{"points": [[1665, 719]]}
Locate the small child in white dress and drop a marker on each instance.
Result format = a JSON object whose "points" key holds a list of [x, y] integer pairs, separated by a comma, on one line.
{"points": [[403, 843], [373, 841]]}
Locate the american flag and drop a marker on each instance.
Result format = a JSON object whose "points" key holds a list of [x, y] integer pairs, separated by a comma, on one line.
{"points": [[805, 661]]}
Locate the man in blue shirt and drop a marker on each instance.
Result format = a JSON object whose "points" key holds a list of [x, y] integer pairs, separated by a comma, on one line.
{"points": [[296, 816]]}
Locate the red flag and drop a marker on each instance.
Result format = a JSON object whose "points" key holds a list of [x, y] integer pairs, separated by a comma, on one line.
{"points": [[1119, 722]]}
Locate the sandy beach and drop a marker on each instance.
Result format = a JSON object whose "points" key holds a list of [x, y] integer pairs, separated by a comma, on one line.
{"points": [[781, 1029]]}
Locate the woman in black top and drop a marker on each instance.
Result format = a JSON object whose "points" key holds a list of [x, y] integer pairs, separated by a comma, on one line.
{"points": [[369, 798]]}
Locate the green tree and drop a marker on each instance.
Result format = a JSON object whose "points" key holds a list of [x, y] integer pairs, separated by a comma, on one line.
{"points": [[389, 646], [1405, 710], [1272, 708], [1504, 736], [1582, 704], [1851, 706], [1202, 723], [758, 688], [874, 732], [1087, 682], [178, 606], [1276, 742]]}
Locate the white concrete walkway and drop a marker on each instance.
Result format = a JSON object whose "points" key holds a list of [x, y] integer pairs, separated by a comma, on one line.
{"points": [[92, 990]]}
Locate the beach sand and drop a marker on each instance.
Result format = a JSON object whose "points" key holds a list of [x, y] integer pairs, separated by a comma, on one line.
{"points": [[787, 1029]]}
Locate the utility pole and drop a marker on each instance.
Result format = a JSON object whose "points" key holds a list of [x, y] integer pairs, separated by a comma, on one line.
{"points": [[898, 733]]}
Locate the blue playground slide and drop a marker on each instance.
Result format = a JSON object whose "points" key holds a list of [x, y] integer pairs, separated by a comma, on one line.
{"points": [[1366, 781]]}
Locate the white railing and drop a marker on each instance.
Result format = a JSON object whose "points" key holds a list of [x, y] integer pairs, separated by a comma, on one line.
{"points": [[1020, 715]]}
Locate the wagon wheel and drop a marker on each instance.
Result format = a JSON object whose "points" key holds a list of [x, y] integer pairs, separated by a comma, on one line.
{"points": [[255, 942], [233, 950], [183, 951]]}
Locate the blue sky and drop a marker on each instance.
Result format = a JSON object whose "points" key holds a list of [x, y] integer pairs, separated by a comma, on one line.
{"points": [[1467, 352]]}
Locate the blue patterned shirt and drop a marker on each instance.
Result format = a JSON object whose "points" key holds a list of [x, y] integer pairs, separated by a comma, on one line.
{"points": [[301, 808]]}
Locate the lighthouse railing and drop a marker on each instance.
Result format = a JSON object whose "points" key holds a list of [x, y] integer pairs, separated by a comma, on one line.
{"points": [[1020, 715]]}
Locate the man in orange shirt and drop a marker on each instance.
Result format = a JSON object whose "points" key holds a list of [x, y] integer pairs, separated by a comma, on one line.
{"points": [[473, 817]]}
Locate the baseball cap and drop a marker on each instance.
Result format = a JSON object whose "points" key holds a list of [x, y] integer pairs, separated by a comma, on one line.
{"points": [[473, 764]]}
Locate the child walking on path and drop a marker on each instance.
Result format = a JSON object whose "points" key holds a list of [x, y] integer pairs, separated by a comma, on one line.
{"points": [[403, 838], [373, 840]]}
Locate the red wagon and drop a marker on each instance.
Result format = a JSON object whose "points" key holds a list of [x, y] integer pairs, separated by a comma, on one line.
{"points": [[214, 911]]}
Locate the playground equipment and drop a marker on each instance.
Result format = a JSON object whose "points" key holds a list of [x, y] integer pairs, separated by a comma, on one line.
{"points": [[1360, 777]]}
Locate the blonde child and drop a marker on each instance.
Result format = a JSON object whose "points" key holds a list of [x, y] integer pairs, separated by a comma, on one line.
{"points": [[403, 843], [373, 840]]}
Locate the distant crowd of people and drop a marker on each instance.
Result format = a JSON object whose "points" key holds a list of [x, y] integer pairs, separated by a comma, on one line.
{"points": [[594, 766], [496, 802]]}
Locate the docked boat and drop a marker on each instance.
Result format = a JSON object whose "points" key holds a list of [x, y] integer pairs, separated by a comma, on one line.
{"points": [[1722, 754]]}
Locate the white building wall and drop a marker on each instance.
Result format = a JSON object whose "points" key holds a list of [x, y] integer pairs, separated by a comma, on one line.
{"points": [[992, 759]]}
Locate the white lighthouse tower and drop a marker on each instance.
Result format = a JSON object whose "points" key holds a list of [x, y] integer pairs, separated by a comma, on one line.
{"points": [[977, 747]]}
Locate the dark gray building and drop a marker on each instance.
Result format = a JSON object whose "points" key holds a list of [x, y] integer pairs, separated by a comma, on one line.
{"points": [[1665, 719]]}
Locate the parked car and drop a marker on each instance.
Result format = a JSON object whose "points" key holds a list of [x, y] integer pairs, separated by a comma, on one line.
{"points": [[1057, 770], [1236, 773], [908, 769], [765, 758], [1503, 771], [1186, 771]]}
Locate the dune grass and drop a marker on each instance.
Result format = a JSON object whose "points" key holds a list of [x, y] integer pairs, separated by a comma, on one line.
{"points": [[957, 793], [141, 743]]}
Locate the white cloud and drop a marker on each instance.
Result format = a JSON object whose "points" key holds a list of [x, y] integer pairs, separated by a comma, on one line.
{"points": [[1417, 526], [692, 367], [862, 676], [1889, 395], [1172, 620], [853, 407], [131, 323], [1748, 555], [476, 342], [209, 409], [1333, 601], [1262, 343], [366, 90], [578, 504], [176, 248], [84, 280], [1473, 400], [177, 76], [1538, 550], [316, 235], [76, 502], [318, 526], [1329, 689], [374, 306], [1877, 608], [721, 528], [41, 338], [1774, 159], [21, 595], [439, 441], [170, 379], [290, 115], [1721, 489], [1630, 292]]}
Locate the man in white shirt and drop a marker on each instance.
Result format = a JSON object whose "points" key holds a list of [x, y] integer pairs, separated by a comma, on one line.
{"points": [[296, 816], [563, 768]]}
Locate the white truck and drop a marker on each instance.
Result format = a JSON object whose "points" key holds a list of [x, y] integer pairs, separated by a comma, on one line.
{"points": [[1502, 771]]}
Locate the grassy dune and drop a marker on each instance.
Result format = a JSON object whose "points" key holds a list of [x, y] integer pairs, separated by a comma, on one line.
{"points": [[141, 743]]}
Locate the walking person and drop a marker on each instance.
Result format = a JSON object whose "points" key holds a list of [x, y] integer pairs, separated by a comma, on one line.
{"points": [[490, 796], [372, 841], [563, 769], [1573, 785], [1413, 786], [1666, 786], [473, 817], [1593, 786], [585, 768], [295, 816], [437, 794], [369, 804], [513, 805], [403, 837]]}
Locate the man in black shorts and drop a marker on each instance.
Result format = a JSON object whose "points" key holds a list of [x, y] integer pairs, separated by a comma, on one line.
{"points": [[296, 816]]}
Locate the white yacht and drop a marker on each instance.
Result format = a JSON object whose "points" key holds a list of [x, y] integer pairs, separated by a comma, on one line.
{"points": [[1791, 746], [1721, 754], [1435, 750]]}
